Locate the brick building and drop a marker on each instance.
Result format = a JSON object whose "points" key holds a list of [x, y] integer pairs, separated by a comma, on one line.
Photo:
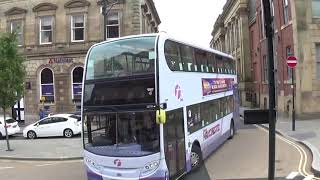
{"points": [[283, 46], [55, 36]]}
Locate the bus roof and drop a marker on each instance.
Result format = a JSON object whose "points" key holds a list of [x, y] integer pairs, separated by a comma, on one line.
{"points": [[167, 36]]}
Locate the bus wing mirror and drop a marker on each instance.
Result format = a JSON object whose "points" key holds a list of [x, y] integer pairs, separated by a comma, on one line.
{"points": [[161, 116], [163, 106]]}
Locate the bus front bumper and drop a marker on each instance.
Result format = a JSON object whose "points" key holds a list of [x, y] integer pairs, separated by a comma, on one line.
{"points": [[160, 174]]}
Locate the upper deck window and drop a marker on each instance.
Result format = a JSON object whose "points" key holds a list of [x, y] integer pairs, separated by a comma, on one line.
{"points": [[181, 57], [126, 57]]}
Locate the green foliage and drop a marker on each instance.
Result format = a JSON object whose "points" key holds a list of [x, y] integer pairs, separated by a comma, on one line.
{"points": [[12, 71]]}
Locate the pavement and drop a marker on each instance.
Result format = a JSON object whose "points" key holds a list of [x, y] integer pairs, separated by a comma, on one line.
{"points": [[307, 132], [55, 148]]}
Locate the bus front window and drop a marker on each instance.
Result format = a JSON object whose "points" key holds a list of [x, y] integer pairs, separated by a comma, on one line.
{"points": [[122, 134], [121, 58], [121, 72]]}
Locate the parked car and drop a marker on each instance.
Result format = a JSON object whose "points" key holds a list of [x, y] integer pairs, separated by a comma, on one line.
{"points": [[66, 125], [12, 126]]}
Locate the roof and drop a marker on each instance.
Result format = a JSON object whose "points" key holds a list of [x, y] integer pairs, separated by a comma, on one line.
{"points": [[167, 36]]}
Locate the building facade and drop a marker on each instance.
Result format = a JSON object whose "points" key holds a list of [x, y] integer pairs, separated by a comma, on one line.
{"points": [[306, 33], [231, 35], [296, 32], [283, 47], [55, 37]]}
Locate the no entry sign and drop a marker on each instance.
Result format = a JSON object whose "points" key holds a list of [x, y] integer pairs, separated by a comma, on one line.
{"points": [[292, 61]]}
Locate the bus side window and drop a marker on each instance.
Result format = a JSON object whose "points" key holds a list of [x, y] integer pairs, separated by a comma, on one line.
{"points": [[231, 103], [212, 63], [201, 60], [233, 66], [194, 118], [219, 64], [216, 110], [205, 113], [187, 58], [172, 55], [226, 65]]}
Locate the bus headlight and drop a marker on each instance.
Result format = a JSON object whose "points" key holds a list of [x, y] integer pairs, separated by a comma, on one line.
{"points": [[92, 164], [149, 168]]}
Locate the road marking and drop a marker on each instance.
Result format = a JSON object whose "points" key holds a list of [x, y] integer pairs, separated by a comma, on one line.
{"points": [[303, 154], [40, 165], [292, 175], [6, 168], [310, 177]]}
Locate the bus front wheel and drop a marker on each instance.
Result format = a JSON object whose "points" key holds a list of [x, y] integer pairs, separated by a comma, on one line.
{"points": [[196, 157]]}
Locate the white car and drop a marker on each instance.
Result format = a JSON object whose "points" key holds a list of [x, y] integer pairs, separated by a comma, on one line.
{"points": [[12, 126], [65, 125]]}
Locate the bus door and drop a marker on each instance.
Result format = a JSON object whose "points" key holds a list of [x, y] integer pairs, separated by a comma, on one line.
{"points": [[174, 143]]}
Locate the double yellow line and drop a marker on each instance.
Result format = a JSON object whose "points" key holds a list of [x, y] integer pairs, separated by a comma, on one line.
{"points": [[303, 155]]}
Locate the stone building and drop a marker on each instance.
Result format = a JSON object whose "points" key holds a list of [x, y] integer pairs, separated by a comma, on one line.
{"points": [[296, 32], [55, 35], [231, 35], [306, 35]]}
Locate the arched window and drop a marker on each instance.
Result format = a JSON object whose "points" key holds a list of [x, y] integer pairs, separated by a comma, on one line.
{"points": [[77, 74], [47, 85]]}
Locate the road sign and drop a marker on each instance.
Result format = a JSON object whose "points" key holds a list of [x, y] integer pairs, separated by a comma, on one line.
{"points": [[292, 61]]}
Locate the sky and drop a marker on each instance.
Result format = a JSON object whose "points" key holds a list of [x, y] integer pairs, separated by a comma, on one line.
{"points": [[189, 20]]}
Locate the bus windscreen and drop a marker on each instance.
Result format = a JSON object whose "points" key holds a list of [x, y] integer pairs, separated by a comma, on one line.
{"points": [[121, 58]]}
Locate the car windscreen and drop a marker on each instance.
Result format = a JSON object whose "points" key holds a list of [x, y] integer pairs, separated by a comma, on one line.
{"points": [[10, 120]]}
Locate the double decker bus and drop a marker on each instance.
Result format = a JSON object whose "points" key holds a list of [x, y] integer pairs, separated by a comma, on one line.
{"points": [[154, 107]]}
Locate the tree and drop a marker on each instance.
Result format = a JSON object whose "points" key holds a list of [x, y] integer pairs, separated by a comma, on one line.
{"points": [[12, 74]]}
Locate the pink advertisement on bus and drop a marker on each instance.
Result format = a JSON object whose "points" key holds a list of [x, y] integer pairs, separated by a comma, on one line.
{"points": [[216, 85]]}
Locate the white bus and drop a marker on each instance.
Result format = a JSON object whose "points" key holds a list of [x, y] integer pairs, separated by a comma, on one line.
{"points": [[154, 107]]}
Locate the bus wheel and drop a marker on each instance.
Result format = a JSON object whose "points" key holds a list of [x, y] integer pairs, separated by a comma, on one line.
{"points": [[196, 157], [232, 131]]}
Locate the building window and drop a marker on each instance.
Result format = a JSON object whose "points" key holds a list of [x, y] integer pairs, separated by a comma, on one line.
{"points": [[286, 11], [77, 28], [16, 26], [113, 28], [77, 75], [47, 85], [46, 24], [318, 60], [262, 25], [274, 23], [316, 8], [265, 68]]}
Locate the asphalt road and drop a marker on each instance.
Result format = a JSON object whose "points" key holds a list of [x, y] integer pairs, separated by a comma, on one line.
{"points": [[243, 157], [246, 157]]}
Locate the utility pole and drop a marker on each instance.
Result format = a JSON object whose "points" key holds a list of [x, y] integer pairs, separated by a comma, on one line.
{"points": [[272, 112], [293, 109]]}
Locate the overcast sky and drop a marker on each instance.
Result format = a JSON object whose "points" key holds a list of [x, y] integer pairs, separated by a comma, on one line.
{"points": [[189, 20]]}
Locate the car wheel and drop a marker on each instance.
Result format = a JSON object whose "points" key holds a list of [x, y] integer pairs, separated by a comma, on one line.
{"points": [[31, 135], [68, 133], [196, 157], [232, 131], [1, 135]]}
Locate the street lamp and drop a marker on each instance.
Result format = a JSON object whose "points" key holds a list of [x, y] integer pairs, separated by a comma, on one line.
{"points": [[105, 11]]}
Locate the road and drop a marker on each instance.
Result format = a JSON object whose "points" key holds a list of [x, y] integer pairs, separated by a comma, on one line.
{"points": [[246, 157], [243, 157]]}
